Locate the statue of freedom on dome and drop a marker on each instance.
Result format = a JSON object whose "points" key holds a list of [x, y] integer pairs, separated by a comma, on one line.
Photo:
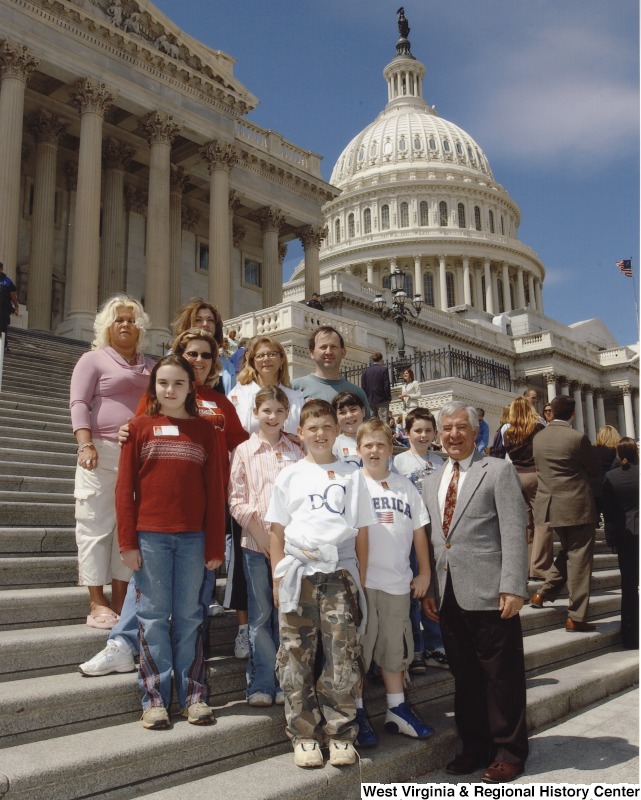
{"points": [[403, 24]]}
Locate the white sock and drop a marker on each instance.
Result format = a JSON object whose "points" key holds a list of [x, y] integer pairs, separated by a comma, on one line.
{"points": [[121, 644], [394, 700], [359, 702]]}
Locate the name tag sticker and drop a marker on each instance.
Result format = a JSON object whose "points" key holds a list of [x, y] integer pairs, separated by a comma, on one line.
{"points": [[208, 404], [166, 430]]}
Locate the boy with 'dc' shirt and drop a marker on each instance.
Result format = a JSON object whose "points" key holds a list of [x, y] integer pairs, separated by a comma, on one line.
{"points": [[319, 513]]}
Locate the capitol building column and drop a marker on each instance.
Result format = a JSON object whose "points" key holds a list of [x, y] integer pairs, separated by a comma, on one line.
{"points": [[627, 411], [442, 284], [507, 303], [220, 157], [270, 221], [370, 273], [311, 237], [565, 389], [478, 279], [177, 182], [489, 288], [578, 407], [600, 409], [550, 379], [112, 256], [589, 412], [538, 293], [418, 276], [93, 99], [47, 129], [520, 288], [530, 284], [467, 286], [16, 65], [161, 131]]}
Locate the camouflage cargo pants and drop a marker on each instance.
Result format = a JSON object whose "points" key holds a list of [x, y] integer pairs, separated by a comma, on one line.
{"points": [[325, 708]]}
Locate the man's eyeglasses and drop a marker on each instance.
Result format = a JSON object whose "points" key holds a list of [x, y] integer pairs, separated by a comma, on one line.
{"points": [[193, 354], [263, 356]]}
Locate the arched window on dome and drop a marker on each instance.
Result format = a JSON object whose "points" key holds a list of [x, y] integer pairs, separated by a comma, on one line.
{"points": [[385, 218], [491, 215], [405, 215], [447, 147], [388, 148], [470, 154], [337, 231], [367, 220], [350, 226], [503, 230], [477, 218], [402, 144], [361, 154], [428, 289], [449, 285], [459, 149], [418, 144], [424, 214], [499, 289], [461, 215], [442, 214], [432, 143], [373, 150]]}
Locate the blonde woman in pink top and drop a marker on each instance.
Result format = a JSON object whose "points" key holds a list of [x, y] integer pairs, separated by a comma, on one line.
{"points": [[106, 385]]}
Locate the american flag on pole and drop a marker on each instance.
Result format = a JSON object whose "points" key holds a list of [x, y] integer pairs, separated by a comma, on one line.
{"points": [[625, 267]]}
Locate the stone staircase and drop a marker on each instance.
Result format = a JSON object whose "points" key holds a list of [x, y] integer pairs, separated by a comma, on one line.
{"points": [[64, 736]]}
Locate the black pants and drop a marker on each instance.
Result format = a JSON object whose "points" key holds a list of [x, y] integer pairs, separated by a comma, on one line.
{"points": [[485, 654], [628, 554]]}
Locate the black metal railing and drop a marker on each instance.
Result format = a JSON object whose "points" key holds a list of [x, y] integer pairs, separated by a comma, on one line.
{"points": [[444, 363]]}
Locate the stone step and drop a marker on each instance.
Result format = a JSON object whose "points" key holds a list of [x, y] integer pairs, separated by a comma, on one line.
{"points": [[39, 470], [32, 514], [26, 431], [41, 650], [30, 498], [32, 425], [397, 758], [42, 487], [247, 747], [58, 390], [35, 444], [28, 541], [21, 401], [16, 573], [38, 381]]}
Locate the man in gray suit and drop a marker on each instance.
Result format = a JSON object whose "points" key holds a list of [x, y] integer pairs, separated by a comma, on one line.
{"points": [[477, 532], [566, 465]]}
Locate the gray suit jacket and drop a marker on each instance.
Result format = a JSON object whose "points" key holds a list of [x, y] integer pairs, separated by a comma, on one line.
{"points": [[486, 550]]}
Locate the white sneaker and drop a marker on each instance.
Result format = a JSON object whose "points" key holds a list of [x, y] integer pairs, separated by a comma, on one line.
{"points": [[215, 609], [259, 700], [241, 645], [111, 659], [341, 753], [279, 698], [199, 714], [307, 753]]}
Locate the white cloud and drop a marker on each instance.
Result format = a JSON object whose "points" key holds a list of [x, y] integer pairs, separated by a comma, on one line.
{"points": [[562, 93]]}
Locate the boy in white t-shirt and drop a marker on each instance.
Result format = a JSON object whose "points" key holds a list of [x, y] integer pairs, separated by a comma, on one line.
{"points": [[402, 518], [350, 410], [416, 464], [319, 513]]}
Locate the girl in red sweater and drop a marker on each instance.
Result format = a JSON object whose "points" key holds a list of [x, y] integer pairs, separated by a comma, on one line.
{"points": [[170, 510]]}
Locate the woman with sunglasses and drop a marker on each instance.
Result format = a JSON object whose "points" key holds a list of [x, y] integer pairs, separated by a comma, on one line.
{"points": [[265, 365], [199, 348]]}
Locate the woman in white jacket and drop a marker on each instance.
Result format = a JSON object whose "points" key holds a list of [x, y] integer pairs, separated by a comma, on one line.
{"points": [[410, 391]]}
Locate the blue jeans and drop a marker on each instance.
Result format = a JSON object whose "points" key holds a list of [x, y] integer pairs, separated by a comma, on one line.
{"points": [[127, 625], [430, 637], [263, 624], [168, 585]]}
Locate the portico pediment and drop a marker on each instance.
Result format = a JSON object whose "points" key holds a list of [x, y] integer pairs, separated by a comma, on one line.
{"points": [[140, 26]]}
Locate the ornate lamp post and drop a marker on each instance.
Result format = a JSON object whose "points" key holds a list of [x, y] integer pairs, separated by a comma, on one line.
{"points": [[399, 310]]}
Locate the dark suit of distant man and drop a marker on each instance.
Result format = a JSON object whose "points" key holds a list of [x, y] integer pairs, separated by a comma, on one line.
{"points": [[376, 385]]}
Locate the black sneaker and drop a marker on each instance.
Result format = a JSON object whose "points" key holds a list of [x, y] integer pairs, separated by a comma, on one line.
{"points": [[417, 667], [435, 658]]}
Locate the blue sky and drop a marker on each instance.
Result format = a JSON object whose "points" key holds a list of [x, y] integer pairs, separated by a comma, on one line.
{"points": [[549, 89]]}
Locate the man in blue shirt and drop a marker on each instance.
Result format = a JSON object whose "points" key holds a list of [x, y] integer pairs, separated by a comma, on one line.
{"points": [[8, 303], [483, 436]]}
